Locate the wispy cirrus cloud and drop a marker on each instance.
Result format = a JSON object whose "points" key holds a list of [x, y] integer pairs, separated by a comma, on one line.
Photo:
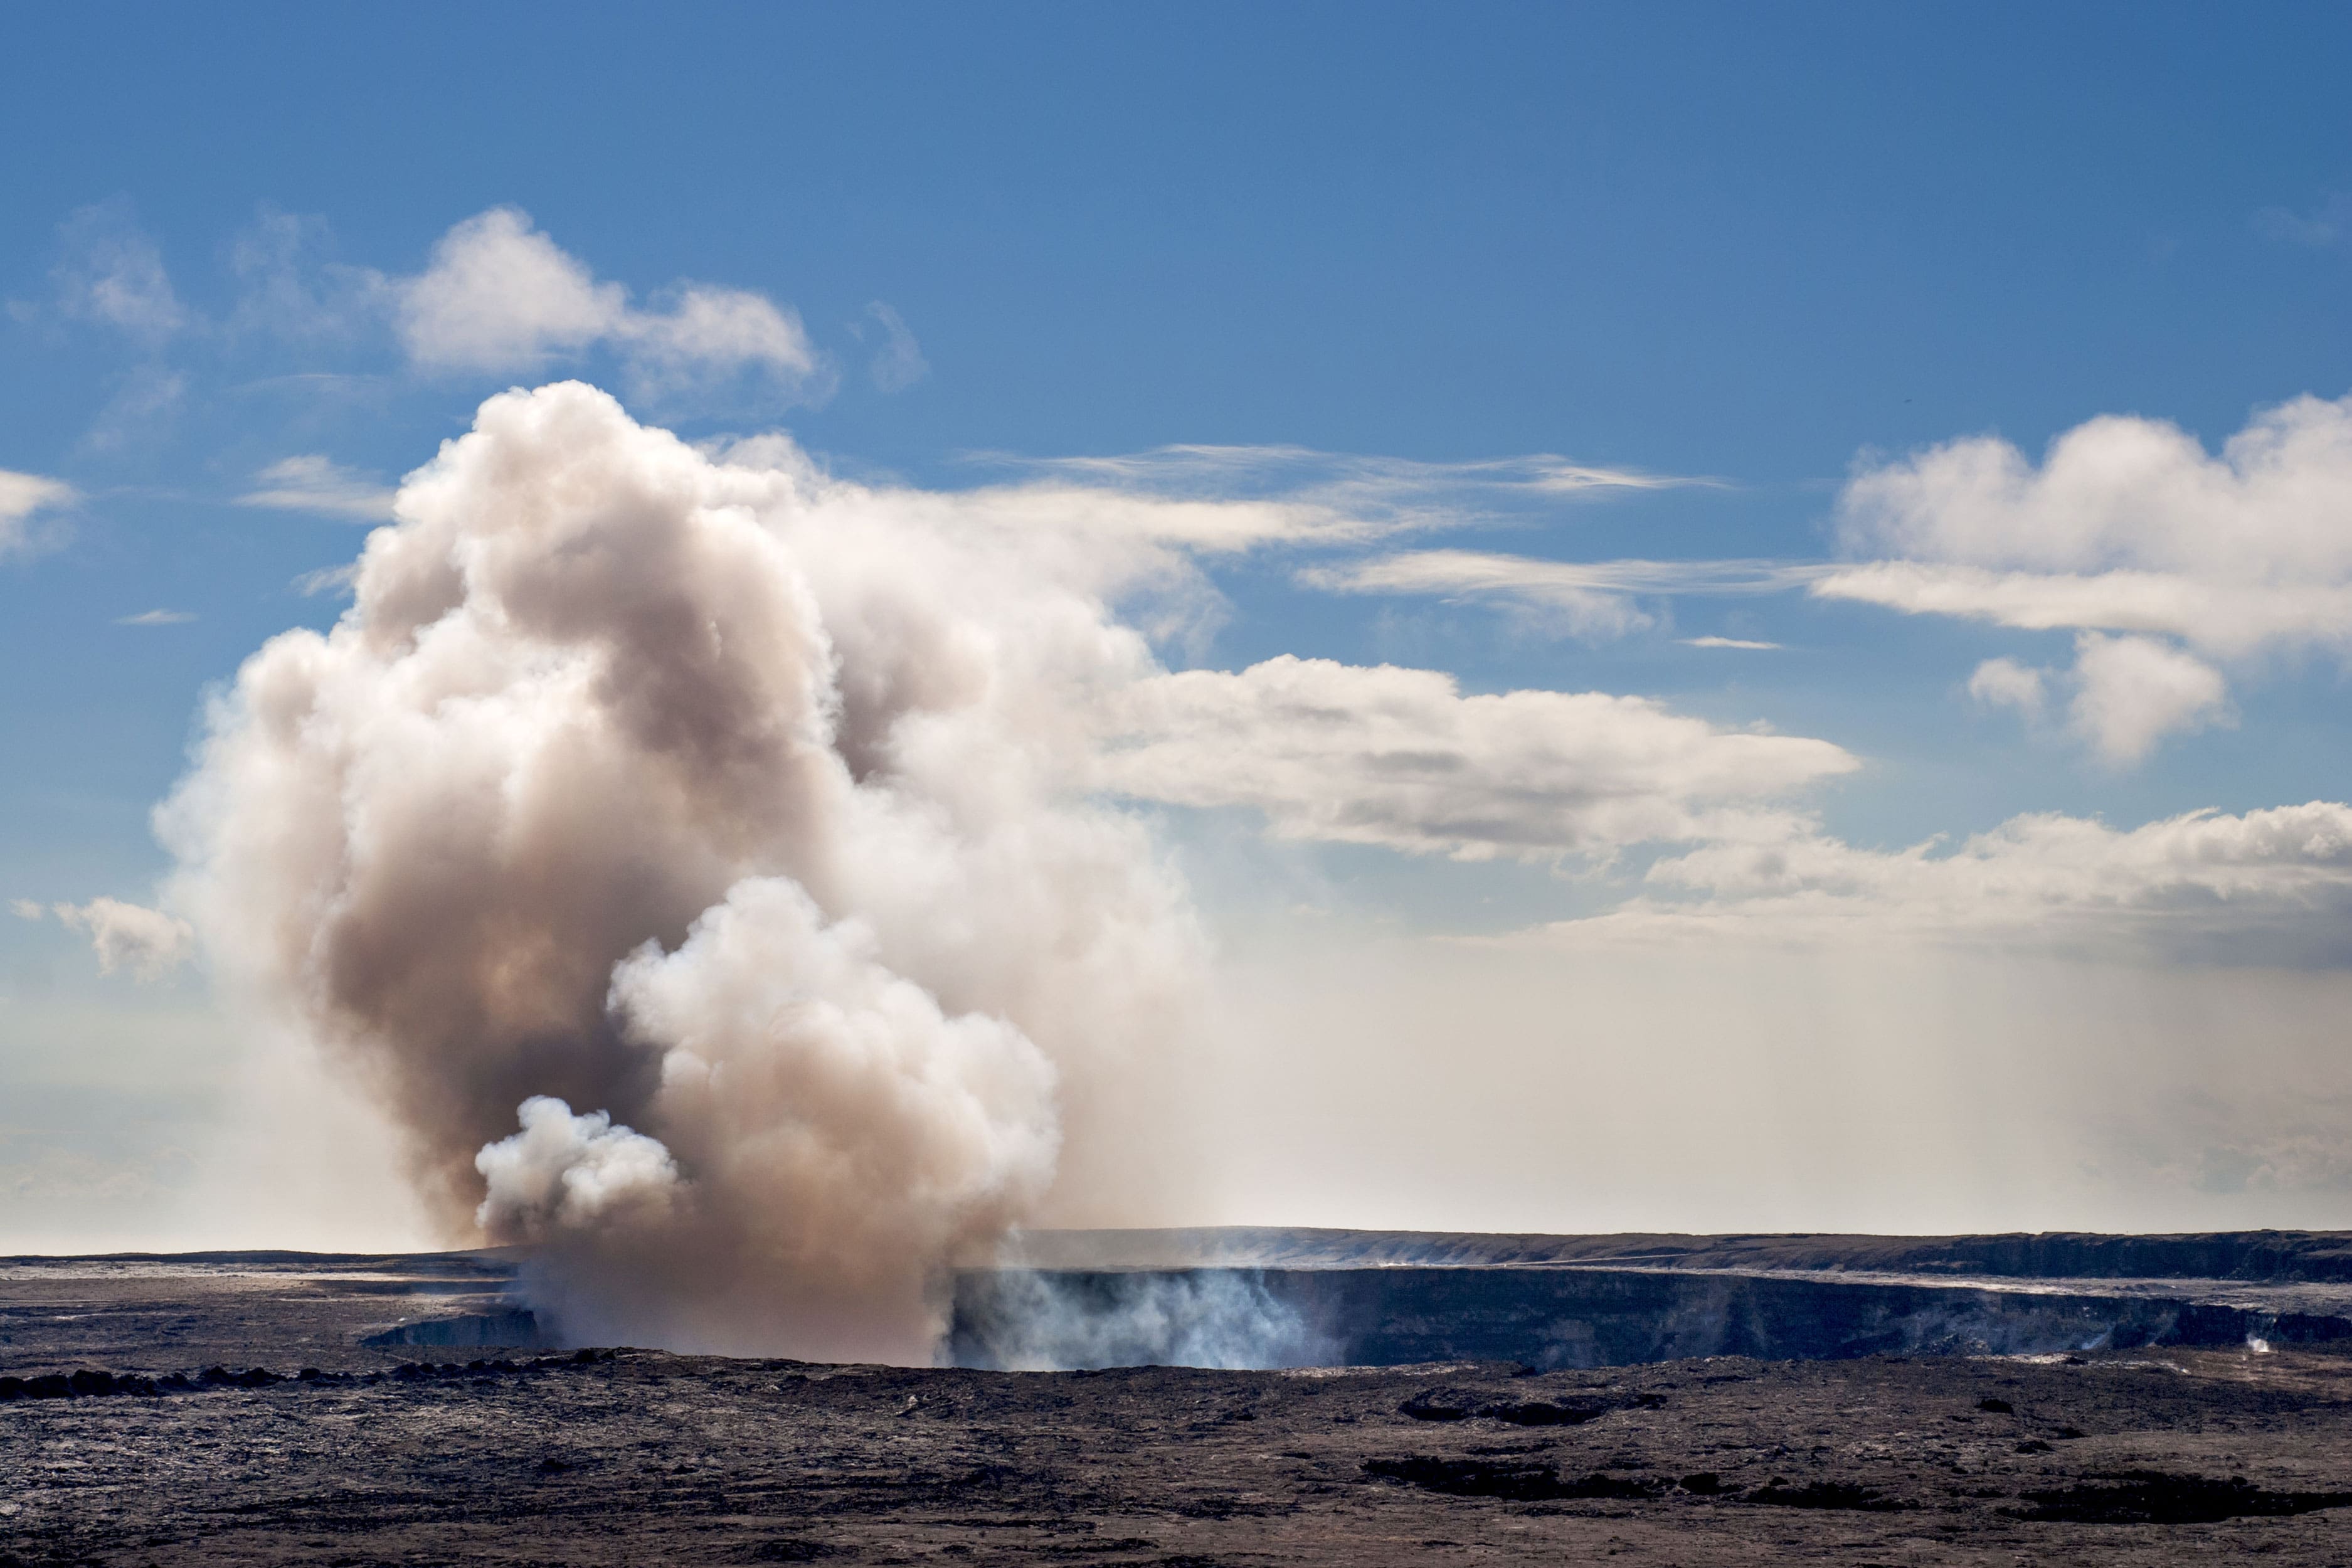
{"points": [[898, 363], [2323, 227], [1334, 496], [109, 272], [1581, 598], [1219, 467], [156, 618], [315, 483]]}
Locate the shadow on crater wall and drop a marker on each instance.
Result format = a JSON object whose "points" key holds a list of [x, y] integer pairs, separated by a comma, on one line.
{"points": [[1555, 1317]]}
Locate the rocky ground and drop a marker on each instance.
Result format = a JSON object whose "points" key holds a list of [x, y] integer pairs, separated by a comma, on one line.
{"points": [[201, 1443], [637, 1458]]}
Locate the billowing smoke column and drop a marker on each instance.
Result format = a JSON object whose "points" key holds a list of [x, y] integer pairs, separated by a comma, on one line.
{"points": [[682, 847]]}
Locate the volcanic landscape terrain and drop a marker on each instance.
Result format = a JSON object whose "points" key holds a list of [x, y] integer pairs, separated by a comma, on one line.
{"points": [[232, 1409]]}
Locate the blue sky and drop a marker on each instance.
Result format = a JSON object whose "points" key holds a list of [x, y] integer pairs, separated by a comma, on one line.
{"points": [[1758, 252]]}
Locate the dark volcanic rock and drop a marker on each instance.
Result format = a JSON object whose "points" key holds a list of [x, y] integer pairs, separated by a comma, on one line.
{"points": [[1454, 1405], [514, 1328], [2147, 1497], [1515, 1481], [1471, 1478], [1777, 1493], [630, 1458]]}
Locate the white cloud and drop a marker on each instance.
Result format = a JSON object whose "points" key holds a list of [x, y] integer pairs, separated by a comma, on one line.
{"points": [[145, 399], [1581, 598], [155, 619], [1212, 526], [1743, 643], [1330, 497], [27, 909], [150, 941], [2271, 885], [707, 331], [2327, 225], [24, 496], [2127, 525], [2006, 683], [290, 290], [1197, 467], [316, 483], [898, 363], [2134, 691], [2124, 492], [1402, 759], [2128, 693], [327, 579], [501, 297], [110, 273], [2229, 619]]}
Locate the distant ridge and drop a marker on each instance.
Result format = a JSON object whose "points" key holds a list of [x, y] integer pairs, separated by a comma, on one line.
{"points": [[2280, 1256]]}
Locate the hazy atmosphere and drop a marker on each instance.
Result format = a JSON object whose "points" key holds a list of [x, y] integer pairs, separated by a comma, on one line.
{"points": [[808, 643]]}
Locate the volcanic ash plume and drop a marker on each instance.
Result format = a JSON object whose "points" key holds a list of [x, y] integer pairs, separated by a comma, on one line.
{"points": [[685, 851]]}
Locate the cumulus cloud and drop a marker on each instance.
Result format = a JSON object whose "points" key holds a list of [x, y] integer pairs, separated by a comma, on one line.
{"points": [[2270, 886], [111, 274], [315, 483], [898, 363], [148, 941], [1402, 759], [2006, 683], [2128, 525], [2134, 691], [1579, 598], [22, 499], [501, 297], [2122, 491]]}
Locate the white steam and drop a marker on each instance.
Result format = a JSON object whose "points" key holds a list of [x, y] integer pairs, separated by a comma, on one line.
{"points": [[1019, 1320], [563, 1171], [717, 817]]}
